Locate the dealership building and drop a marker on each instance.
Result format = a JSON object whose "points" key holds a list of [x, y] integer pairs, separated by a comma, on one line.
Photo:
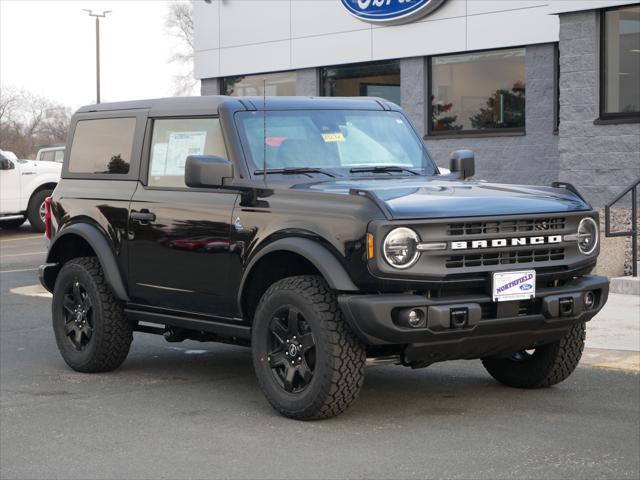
{"points": [[542, 91]]}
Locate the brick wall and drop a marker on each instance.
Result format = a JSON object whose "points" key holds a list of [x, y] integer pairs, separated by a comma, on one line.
{"points": [[599, 159]]}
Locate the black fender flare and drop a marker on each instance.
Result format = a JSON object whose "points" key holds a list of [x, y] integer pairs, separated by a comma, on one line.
{"points": [[106, 256], [320, 256]]}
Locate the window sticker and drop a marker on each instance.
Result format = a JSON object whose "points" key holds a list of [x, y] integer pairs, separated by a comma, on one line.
{"points": [[333, 137], [180, 146], [159, 159]]}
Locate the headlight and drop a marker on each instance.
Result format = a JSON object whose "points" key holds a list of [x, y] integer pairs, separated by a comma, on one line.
{"points": [[401, 247], [587, 235]]}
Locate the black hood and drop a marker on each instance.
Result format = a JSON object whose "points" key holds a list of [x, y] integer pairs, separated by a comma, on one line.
{"points": [[432, 197]]}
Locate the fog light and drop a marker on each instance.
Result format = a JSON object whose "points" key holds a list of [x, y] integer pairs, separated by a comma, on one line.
{"points": [[415, 318], [411, 317], [589, 300]]}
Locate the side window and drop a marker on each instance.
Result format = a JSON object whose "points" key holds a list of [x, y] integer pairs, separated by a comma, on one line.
{"points": [[174, 140], [59, 156], [47, 156], [102, 146]]}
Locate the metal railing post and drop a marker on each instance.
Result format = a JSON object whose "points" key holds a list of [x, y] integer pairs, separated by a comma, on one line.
{"points": [[634, 230], [633, 233]]}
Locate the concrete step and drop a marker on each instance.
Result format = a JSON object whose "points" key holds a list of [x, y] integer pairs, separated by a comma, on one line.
{"points": [[625, 285]]}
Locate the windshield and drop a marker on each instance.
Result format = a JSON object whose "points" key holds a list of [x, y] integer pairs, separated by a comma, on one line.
{"points": [[334, 140]]}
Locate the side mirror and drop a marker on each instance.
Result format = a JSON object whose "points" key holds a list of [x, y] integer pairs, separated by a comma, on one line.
{"points": [[6, 164], [206, 171], [463, 162]]}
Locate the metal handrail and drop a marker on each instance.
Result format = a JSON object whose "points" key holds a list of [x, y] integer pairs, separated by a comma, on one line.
{"points": [[633, 233]]}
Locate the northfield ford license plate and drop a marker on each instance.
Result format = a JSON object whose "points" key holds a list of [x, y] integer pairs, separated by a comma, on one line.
{"points": [[514, 285]]}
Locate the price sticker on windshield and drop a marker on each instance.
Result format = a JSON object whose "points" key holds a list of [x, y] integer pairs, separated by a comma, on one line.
{"points": [[333, 137], [514, 285]]}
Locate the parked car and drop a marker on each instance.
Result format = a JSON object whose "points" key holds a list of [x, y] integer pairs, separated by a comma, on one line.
{"points": [[24, 186], [337, 242], [51, 154]]}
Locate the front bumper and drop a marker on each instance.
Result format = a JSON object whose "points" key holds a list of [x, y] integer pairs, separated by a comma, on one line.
{"points": [[490, 329]]}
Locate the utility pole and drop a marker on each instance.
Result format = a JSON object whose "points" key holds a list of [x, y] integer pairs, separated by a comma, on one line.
{"points": [[98, 17]]}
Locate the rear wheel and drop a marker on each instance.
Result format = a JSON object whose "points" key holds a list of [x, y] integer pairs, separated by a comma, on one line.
{"points": [[91, 330], [36, 209], [12, 224], [542, 367], [308, 362]]}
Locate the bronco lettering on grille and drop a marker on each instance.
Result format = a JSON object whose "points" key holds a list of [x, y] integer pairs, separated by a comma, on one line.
{"points": [[503, 242]]}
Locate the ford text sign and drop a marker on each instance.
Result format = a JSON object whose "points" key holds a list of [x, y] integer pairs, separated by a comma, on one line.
{"points": [[390, 11]]}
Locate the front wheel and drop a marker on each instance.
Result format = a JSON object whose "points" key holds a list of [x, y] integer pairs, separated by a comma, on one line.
{"points": [[308, 362], [542, 367]]}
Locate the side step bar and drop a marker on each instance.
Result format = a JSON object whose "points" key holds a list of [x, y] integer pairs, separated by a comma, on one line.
{"points": [[219, 328]]}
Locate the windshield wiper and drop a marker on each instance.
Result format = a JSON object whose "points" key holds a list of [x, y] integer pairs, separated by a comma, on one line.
{"points": [[293, 171], [382, 169]]}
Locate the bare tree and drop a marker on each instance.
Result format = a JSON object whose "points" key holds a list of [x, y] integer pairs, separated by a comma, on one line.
{"points": [[29, 121], [179, 24]]}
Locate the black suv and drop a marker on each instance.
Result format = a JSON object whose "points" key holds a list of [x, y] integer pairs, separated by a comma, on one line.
{"points": [[319, 232]]}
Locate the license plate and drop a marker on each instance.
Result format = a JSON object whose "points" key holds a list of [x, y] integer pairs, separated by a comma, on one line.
{"points": [[514, 285]]}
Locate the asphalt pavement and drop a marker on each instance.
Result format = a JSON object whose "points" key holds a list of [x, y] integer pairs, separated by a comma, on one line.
{"points": [[194, 410]]}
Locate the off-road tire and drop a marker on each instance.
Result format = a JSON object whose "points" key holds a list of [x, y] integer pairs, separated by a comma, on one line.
{"points": [[548, 365], [112, 333], [12, 224], [340, 356], [33, 210]]}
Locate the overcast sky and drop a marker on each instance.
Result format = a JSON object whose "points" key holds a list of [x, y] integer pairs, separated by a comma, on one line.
{"points": [[48, 47]]}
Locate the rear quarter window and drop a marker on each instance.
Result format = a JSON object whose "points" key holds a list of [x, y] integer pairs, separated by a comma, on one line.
{"points": [[102, 146]]}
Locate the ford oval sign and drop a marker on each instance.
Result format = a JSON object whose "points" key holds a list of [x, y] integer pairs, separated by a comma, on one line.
{"points": [[390, 12]]}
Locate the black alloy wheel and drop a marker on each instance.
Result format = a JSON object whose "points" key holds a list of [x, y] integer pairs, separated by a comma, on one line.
{"points": [[78, 312], [292, 349], [308, 362], [91, 329]]}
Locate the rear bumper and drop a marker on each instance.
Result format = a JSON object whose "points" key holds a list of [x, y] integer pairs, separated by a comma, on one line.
{"points": [[490, 328]]}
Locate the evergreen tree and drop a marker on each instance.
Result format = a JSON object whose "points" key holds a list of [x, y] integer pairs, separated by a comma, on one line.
{"points": [[446, 122], [510, 102]]}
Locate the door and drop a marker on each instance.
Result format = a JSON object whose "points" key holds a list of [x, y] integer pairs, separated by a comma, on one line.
{"points": [[9, 185], [179, 238]]}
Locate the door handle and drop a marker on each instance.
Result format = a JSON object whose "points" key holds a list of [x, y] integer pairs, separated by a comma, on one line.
{"points": [[143, 217]]}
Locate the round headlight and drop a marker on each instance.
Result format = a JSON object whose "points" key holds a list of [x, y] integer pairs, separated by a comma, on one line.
{"points": [[587, 235], [401, 247]]}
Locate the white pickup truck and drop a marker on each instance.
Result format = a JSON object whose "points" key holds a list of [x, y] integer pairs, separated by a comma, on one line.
{"points": [[24, 185]]}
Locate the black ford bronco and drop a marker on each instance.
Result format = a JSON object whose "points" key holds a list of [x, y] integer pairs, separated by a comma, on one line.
{"points": [[319, 232]]}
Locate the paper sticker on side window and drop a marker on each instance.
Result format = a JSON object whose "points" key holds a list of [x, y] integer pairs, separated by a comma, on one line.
{"points": [[181, 145]]}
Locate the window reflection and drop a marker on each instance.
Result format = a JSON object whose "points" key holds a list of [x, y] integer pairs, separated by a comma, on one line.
{"points": [[621, 50], [102, 146], [375, 79], [277, 84], [478, 91]]}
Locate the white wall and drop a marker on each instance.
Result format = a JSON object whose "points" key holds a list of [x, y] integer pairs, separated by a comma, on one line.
{"points": [[252, 36]]}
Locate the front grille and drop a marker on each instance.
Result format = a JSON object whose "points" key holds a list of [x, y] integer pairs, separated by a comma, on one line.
{"points": [[505, 258], [506, 226]]}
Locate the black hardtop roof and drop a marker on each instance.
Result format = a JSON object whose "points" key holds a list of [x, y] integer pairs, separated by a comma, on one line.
{"points": [[211, 103]]}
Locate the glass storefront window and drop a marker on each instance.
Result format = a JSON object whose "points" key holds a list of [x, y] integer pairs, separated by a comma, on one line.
{"points": [[375, 79], [475, 92], [281, 84], [620, 95]]}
